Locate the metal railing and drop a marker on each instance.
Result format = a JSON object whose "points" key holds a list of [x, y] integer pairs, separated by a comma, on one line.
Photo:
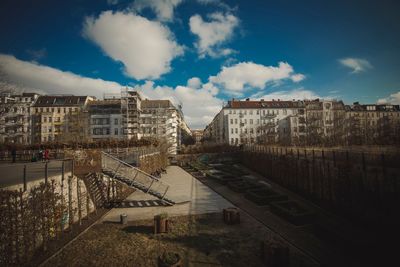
{"points": [[133, 174], [21, 174]]}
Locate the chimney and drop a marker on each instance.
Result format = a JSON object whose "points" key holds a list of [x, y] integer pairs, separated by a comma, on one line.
{"points": [[279, 100], [247, 99], [262, 99]]}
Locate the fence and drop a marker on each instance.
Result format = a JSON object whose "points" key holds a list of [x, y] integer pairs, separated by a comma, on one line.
{"points": [[22, 175], [365, 186]]}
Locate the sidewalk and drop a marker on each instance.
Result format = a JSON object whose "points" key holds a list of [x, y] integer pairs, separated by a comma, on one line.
{"points": [[191, 196]]}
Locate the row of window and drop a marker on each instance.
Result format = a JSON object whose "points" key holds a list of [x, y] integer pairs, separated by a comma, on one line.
{"points": [[244, 121], [257, 111], [103, 121], [235, 141], [58, 110], [104, 131], [50, 119]]}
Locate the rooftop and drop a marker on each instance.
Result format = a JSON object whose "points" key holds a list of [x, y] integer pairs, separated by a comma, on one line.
{"points": [[264, 104], [63, 100]]}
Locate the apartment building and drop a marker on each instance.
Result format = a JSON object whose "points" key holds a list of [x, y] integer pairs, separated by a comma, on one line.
{"points": [[325, 120], [60, 118], [254, 121], [131, 109], [105, 119], [15, 117], [372, 124], [197, 135], [162, 120]]}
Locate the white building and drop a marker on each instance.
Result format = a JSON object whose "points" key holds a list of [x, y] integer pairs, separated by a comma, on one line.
{"points": [[160, 119], [241, 122], [15, 117], [105, 119]]}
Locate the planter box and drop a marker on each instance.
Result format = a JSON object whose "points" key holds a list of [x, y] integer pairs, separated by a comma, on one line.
{"points": [[242, 185], [226, 178], [264, 196], [292, 211]]}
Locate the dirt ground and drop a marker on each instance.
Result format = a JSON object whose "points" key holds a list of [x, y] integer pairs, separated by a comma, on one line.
{"points": [[202, 240]]}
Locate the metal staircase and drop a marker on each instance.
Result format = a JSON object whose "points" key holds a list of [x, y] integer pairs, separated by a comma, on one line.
{"points": [[134, 177]]}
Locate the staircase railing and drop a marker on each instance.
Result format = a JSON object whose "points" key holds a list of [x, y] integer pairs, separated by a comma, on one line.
{"points": [[133, 174]]}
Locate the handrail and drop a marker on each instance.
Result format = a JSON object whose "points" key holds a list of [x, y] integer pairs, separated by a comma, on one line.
{"points": [[137, 169]]}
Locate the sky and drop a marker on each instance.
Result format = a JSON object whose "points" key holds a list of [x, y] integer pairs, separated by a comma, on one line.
{"points": [[202, 53]]}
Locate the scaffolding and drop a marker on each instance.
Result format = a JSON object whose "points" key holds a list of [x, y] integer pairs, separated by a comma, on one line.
{"points": [[130, 111]]}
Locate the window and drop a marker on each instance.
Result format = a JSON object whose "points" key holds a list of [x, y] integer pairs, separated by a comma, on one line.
{"points": [[251, 121], [258, 112], [231, 121], [116, 122], [251, 112], [236, 130], [58, 110], [50, 119], [245, 121], [235, 121], [231, 130], [44, 119], [285, 112], [116, 131]]}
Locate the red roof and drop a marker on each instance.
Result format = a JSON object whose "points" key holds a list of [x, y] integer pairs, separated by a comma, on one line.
{"points": [[264, 104]]}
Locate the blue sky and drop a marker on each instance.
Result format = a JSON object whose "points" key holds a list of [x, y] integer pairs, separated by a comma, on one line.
{"points": [[203, 52]]}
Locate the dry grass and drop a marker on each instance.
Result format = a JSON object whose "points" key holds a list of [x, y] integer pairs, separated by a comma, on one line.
{"points": [[201, 240]]}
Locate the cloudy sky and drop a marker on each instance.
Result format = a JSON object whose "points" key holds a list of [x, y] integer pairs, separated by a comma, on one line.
{"points": [[201, 53]]}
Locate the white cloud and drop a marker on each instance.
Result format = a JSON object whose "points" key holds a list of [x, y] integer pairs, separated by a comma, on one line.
{"points": [[297, 77], [146, 48], [199, 105], [194, 83], [356, 64], [297, 94], [235, 78], [213, 34], [49, 80], [164, 9], [392, 99]]}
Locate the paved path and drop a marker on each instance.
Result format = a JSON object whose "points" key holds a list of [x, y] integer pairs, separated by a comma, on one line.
{"points": [[191, 196]]}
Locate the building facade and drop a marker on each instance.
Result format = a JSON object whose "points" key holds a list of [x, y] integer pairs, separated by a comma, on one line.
{"points": [[372, 124], [60, 118], [15, 117], [105, 119], [247, 122], [160, 119], [308, 122]]}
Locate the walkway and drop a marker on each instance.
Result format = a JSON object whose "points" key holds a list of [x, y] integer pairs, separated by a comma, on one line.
{"points": [[191, 196]]}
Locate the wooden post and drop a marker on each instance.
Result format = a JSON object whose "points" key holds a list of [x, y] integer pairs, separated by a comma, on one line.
{"points": [[70, 215], [78, 196], [62, 196], [24, 177], [46, 173], [334, 158]]}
